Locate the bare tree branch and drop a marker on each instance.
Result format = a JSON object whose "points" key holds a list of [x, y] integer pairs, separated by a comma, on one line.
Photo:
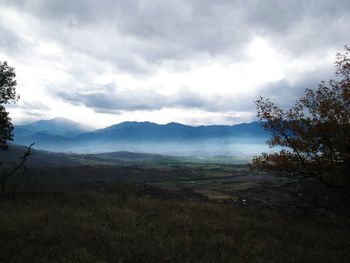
{"points": [[20, 166]]}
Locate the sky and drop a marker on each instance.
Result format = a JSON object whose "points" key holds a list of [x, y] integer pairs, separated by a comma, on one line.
{"points": [[196, 62]]}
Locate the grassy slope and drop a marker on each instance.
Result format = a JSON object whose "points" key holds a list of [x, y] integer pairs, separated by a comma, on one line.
{"points": [[128, 222], [39, 158]]}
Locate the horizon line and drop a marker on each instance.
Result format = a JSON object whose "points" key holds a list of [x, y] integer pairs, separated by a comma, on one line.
{"points": [[127, 121]]}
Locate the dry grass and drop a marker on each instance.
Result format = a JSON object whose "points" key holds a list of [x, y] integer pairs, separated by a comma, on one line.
{"points": [[134, 223]]}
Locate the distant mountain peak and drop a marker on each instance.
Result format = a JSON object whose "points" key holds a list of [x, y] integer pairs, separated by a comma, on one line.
{"points": [[60, 119], [56, 126], [175, 124]]}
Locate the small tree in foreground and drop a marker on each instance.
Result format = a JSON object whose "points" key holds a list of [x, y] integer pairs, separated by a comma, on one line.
{"points": [[314, 134], [8, 95]]}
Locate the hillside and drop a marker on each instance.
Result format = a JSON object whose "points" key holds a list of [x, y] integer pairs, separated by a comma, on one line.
{"points": [[40, 158], [137, 223]]}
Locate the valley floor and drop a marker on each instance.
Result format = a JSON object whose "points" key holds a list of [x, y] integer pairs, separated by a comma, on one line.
{"points": [[136, 222]]}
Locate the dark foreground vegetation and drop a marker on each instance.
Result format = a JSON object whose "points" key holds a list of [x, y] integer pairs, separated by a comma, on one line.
{"points": [[125, 207], [313, 135], [133, 222]]}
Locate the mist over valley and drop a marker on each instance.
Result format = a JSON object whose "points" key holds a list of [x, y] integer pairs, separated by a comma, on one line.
{"points": [[61, 135]]}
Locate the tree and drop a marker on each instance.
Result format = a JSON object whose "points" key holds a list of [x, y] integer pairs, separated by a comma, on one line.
{"points": [[7, 95], [314, 135]]}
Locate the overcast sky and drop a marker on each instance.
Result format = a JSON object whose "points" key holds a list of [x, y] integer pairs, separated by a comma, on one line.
{"points": [[102, 62]]}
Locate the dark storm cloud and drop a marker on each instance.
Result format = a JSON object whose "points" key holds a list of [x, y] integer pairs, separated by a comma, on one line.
{"points": [[145, 100], [110, 99], [154, 31], [285, 93], [137, 36]]}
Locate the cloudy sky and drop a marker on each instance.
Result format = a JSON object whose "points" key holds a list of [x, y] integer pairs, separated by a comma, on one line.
{"points": [[191, 61]]}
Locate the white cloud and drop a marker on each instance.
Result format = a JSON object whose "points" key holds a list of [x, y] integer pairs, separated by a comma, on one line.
{"points": [[194, 62]]}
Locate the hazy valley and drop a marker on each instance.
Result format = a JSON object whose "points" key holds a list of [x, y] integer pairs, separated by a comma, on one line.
{"points": [[61, 135]]}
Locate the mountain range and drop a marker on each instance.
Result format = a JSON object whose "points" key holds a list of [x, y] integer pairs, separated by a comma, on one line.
{"points": [[62, 135]]}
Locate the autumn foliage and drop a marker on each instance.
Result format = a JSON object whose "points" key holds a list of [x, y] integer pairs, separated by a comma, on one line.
{"points": [[314, 135]]}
